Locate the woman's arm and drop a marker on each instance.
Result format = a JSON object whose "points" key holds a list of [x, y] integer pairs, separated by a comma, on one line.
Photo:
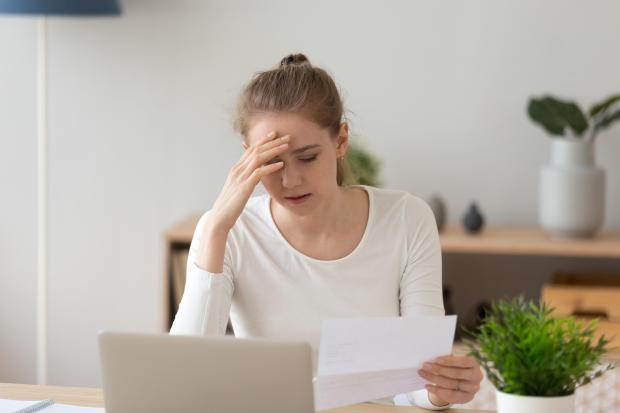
{"points": [[456, 379], [421, 285], [205, 305], [207, 297]]}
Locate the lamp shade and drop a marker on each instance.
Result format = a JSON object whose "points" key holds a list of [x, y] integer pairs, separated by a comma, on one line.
{"points": [[60, 7]]}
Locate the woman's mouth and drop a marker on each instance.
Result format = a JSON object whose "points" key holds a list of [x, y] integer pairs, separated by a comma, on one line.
{"points": [[298, 199]]}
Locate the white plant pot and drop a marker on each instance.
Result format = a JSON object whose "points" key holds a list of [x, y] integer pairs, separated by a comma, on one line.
{"points": [[571, 191], [513, 403]]}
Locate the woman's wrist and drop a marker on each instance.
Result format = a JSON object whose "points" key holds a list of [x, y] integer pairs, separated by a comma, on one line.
{"points": [[211, 251]]}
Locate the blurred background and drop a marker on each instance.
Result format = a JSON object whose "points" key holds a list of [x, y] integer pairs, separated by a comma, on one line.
{"points": [[140, 138]]}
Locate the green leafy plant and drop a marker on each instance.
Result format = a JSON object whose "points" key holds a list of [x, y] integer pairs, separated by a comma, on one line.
{"points": [[364, 164], [524, 350], [557, 116]]}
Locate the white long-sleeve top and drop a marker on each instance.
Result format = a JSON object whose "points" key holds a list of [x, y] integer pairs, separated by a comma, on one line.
{"points": [[271, 290]]}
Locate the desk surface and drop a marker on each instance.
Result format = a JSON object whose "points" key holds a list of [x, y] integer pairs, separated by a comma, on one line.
{"points": [[94, 397]]}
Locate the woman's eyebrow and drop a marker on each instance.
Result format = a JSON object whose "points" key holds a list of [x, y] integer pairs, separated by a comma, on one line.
{"points": [[304, 148]]}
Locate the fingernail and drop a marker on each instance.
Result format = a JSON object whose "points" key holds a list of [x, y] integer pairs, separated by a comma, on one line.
{"points": [[271, 134]]}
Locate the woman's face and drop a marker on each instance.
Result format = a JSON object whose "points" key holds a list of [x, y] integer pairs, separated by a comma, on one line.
{"points": [[309, 163]]}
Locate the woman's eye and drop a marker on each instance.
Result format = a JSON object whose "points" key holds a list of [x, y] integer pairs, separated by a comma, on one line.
{"points": [[308, 159]]}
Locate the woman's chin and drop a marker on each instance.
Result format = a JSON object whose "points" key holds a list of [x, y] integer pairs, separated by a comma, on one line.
{"points": [[301, 207]]}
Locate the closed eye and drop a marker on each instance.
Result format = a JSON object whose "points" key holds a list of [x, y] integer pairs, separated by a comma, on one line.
{"points": [[306, 159]]}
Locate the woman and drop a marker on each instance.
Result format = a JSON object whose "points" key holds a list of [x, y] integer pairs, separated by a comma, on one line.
{"points": [[313, 248]]}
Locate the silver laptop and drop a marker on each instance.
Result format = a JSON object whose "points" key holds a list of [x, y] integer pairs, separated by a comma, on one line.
{"points": [[161, 373]]}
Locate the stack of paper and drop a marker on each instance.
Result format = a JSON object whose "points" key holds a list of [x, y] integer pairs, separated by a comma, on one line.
{"points": [[363, 359]]}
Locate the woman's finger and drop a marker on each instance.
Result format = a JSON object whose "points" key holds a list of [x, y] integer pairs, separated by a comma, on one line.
{"points": [[452, 372], [273, 143], [456, 361], [271, 136], [264, 170], [449, 383], [259, 159]]}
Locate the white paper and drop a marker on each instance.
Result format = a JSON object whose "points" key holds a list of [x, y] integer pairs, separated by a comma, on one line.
{"points": [[363, 359], [10, 406], [69, 408]]}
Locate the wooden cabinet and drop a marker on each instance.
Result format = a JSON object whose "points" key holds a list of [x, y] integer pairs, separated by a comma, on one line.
{"points": [[177, 240]]}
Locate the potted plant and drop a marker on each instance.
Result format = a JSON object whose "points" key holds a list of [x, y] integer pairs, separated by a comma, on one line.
{"points": [[572, 187], [364, 164], [534, 360]]}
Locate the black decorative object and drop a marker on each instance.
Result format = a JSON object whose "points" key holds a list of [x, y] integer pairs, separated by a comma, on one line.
{"points": [[473, 221], [438, 206]]}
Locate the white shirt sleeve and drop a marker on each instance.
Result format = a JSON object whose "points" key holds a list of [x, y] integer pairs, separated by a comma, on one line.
{"points": [[205, 306], [421, 285]]}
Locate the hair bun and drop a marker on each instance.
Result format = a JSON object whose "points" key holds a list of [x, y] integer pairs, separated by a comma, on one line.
{"points": [[294, 59]]}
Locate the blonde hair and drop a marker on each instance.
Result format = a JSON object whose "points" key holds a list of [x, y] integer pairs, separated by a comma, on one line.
{"points": [[295, 86]]}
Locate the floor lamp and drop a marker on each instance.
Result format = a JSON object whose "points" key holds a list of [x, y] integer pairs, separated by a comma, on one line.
{"points": [[43, 8]]}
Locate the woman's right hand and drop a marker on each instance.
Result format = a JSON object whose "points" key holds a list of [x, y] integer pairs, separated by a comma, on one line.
{"points": [[243, 178]]}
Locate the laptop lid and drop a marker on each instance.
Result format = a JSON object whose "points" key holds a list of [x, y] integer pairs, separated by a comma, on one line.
{"points": [[162, 373]]}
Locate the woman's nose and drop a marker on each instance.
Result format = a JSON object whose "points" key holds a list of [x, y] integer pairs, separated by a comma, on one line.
{"points": [[291, 177]]}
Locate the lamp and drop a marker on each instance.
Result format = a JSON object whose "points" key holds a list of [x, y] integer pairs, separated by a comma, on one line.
{"points": [[44, 8]]}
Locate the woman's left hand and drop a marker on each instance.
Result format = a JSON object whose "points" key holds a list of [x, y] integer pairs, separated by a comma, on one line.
{"points": [[456, 379]]}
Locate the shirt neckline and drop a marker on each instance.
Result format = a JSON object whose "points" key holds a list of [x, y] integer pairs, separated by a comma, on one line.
{"points": [[369, 223]]}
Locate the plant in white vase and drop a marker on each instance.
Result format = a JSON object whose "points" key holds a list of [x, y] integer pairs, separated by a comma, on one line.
{"points": [[572, 187], [534, 360]]}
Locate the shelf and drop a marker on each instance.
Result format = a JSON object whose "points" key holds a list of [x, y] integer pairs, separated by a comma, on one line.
{"points": [[518, 240]]}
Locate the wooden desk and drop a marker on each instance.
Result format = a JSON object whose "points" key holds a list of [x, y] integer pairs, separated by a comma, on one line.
{"points": [[94, 397]]}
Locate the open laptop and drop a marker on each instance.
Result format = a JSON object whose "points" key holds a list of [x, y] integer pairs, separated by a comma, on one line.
{"points": [[161, 373]]}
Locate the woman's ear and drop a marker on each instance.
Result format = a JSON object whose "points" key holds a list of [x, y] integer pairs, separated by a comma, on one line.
{"points": [[343, 139]]}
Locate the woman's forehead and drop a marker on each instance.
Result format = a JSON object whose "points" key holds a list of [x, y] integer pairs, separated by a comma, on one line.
{"points": [[299, 127]]}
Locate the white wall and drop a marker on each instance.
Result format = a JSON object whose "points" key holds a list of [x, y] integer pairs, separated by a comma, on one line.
{"points": [[140, 135]]}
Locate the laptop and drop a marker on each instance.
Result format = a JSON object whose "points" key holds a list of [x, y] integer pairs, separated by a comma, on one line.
{"points": [[162, 373]]}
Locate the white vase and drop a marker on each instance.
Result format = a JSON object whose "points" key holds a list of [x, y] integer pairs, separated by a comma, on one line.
{"points": [[571, 191], [513, 403]]}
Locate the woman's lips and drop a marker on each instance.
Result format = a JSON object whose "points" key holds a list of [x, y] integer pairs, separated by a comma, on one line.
{"points": [[297, 199]]}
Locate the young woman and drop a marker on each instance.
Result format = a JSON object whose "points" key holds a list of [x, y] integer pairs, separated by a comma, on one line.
{"points": [[314, 247]]}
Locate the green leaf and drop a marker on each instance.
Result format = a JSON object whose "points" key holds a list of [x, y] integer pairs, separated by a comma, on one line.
{"points": [[608, 120], [604, 105], [555, 115]]}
